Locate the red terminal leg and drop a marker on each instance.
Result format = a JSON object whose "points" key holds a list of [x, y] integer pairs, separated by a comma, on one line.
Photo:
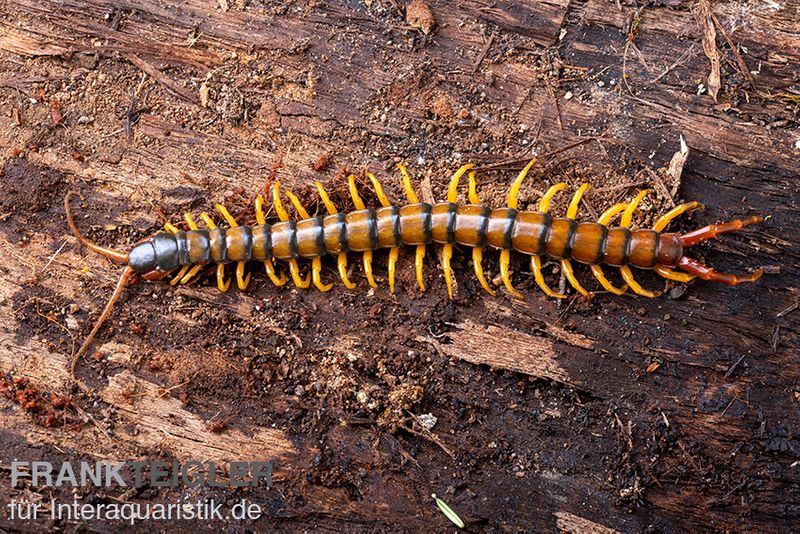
{"points": [[713, 230], [707, 273]]}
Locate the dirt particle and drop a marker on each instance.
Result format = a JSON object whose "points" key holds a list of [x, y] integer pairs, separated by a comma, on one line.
{"points": [[420, 17], [28, 187], [216, 426], [442, 107], [321, 164]]}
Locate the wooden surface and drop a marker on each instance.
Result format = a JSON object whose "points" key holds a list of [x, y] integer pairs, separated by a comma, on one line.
{"points": [[621, 414]]}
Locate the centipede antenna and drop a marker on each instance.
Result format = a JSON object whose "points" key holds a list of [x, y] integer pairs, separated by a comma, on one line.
{"points": [[123, 280], [107, 252]]}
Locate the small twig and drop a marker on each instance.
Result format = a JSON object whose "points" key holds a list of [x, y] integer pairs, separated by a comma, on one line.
{"points": [[733, 367], [566, 310], [524, 99], [641, 58], [483, 53], [681, 59], [612, 188], [53, 257], [517, 161], [788, 310], [427, 434], [728, 406], [558, 109], [170, 84], [739, 59], [740, 486]]}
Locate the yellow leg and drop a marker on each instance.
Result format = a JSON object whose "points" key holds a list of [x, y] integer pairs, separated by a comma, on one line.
{"points": [[536, 261], [341, 262], [283, 215], [316, 275], [505, 259], [329, 205], [227, 216], [241, 281], [272, 273], [570, 274], [351, 185], [477, 254], [452, 190], [208, 220], [268, 265], [298, 280], [447, 254], [341, 259], [572, 212], [180, 275], [505, 255], [191, 274], [189, 221], [394, 252], [222, 285], [669, 274], [384, 200], [627, 215], [536, 267], [597, 271], [610, 213], [477, 261], [473, 190], [368, 268], [627, 275], [665, 219], [513, 193], [301, 211], [544, 203], [412, 196], [169, 227], [418, 263], [259, 207], [276, 202]]}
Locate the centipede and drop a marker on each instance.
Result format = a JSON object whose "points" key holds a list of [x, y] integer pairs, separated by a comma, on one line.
{"points": [[474, 225]]}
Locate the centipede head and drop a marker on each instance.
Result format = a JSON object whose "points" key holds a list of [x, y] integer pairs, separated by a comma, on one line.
{"points": [[700, 270]]}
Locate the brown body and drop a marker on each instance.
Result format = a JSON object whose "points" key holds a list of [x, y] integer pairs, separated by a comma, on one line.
{"points": [[534, 233], [476, 226]]}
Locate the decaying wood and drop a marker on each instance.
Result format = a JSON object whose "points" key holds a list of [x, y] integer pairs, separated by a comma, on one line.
{"points": [[619, 414]]}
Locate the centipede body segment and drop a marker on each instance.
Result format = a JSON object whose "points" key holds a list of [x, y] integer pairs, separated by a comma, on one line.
{"points": [[418, 224]]}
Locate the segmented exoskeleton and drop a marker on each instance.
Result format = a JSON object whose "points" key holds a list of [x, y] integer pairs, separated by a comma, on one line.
{"points": [[474, 225]]}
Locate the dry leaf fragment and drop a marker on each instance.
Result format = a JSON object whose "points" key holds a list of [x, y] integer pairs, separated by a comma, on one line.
{"points": [[420, 16], [204, 94], [706, 22], [678, 161]]}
